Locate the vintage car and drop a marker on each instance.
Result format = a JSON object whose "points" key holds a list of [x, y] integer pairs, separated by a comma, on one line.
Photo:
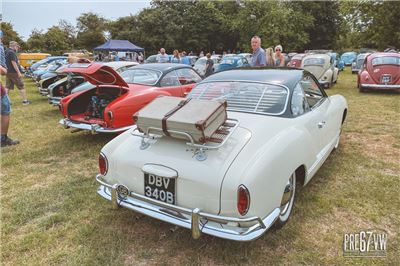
{"points": [[356, 65], [231, 62], [75, 83], [348, 58], [42, 64], [151, 59], [248, 56], [322, 67], [108, 108], [28, 59], [281, 127], [200, 65], [338, 62], [380, 71], [296, 60]]}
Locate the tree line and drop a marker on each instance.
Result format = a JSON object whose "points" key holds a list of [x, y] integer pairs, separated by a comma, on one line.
{"points": [[195, 25]]}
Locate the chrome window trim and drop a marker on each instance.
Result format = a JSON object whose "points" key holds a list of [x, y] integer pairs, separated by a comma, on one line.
{"points": [[258, 82]]}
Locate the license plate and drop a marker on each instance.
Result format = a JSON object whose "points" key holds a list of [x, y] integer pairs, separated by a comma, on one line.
{"points": [[386, 79], [159, 188]]}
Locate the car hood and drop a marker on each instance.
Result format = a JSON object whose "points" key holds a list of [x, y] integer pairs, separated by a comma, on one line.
{"points": [[316, 70], [97, 74]]}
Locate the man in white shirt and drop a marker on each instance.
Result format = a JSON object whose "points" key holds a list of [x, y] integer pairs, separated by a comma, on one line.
{"points": [[162, 57]]}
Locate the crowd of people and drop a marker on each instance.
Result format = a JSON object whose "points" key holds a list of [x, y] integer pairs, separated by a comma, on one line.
{"points": [[268, 57]]}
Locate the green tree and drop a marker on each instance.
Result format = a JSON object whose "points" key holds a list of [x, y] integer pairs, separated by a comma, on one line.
{"points": [[371, 24], [9, 34], [36, 41], [91, 28]]}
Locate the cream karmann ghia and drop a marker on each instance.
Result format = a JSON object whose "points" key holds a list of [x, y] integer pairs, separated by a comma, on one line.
{"points": [[281, 127]]}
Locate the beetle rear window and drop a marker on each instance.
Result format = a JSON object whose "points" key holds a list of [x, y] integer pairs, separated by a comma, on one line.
{"points": [[314, 61], [248, 97], [386, 60]]}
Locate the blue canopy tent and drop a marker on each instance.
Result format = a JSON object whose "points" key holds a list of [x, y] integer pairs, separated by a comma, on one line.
{"points": [[119, 46]]}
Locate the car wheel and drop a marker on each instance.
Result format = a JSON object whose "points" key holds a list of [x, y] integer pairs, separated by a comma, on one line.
{"points": [[361, 89], [287, 201]]}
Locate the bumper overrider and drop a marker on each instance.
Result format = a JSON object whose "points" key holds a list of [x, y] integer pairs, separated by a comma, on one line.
{"points": [[232, 228], [93, 128], [324, 83], [381, 86], [54, 100]]}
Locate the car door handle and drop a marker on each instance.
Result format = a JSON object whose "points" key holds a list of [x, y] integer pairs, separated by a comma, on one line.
{"points": [[321, 124]]}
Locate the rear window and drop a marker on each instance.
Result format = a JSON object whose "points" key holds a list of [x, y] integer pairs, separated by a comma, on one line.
{"points": [[386, 60], [141, 76], [247, 97], [314, 61]]}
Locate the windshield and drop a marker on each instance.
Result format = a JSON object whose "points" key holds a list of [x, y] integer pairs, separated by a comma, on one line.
{"points": [[386, 60], [248, 97], [201, 61], [228, 61], [38, 63], [141, 76], [314, 61]]}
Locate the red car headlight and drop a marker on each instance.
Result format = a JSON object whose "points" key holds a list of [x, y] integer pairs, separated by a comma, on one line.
{"points": [[103, 164], [243, 200]]}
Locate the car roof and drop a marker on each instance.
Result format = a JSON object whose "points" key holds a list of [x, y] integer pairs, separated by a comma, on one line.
{"points": [[282, 76], [324, 56], [118, 64], [162, 66], [381, 54]]}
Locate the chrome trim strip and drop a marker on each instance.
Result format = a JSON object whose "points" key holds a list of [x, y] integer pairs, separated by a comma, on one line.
{"points": [[381, 86], [94, 128], [231, 228]]}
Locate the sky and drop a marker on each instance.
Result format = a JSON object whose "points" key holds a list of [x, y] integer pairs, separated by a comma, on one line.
{"points": [[28, 15]]}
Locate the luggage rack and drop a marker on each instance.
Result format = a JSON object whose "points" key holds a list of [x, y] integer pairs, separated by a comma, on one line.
{"points": [[217, 140]]}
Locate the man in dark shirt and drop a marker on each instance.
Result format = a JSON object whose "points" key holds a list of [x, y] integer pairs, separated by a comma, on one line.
{"points": [[209, 65], [5, 102], [14, 76]]}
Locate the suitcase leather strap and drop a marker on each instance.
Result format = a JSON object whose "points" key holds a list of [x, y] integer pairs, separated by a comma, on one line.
{"points": [[170, 113]]}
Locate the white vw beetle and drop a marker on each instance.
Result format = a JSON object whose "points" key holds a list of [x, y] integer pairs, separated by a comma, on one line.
{"points": [[322, 67], [281, 127]]}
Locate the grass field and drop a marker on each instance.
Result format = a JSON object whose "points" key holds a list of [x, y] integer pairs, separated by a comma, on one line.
{"points": [[51, 214]]}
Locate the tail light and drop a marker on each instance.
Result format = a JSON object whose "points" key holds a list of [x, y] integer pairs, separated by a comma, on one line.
{"points": [[243, 200], [103, 164]]}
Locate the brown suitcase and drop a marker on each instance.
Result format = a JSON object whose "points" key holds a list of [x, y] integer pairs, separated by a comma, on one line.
{"points": [[198, 118]]}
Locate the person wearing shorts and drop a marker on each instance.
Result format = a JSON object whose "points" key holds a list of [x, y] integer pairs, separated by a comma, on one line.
{"points": [[14, 76], [5, 102]]}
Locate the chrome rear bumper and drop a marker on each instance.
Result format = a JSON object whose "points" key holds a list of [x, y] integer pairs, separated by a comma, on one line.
{"points": [[232, 228], [93, 128], [380, 86]]}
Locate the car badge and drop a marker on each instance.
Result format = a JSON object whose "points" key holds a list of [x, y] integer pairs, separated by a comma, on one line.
{"points": [[376, 70], [122, 191]]}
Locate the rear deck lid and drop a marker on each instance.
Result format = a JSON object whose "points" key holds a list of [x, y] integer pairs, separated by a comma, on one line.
{"points": [[97, 74]]}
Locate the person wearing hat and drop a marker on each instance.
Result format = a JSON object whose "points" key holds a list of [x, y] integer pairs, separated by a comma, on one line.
{"points": [[279, 57], [14, 76], [5, 102]]}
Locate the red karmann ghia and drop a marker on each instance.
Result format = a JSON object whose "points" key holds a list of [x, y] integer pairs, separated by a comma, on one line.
{"points": [[109, 107]]}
